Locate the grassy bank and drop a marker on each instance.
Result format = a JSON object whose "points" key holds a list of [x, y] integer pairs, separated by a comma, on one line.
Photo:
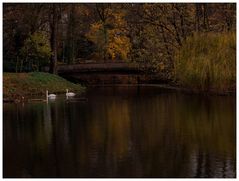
{"points": [[16, 85], [207, 62]]}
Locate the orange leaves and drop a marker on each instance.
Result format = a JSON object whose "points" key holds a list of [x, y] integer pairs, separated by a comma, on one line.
{"points": [[120, 45], [110, 36], [95, 32]]}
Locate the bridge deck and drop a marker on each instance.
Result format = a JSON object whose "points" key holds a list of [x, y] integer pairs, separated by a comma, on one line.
{"points": [[98, 67], [108, 73]]}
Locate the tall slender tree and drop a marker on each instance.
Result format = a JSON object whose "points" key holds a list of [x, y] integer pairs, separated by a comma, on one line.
{"points": [[53, 38]]}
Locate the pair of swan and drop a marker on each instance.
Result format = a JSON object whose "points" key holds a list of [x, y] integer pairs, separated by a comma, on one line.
{"points": [[53, 96]]}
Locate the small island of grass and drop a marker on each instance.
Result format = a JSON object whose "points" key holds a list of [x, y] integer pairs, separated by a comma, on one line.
{"points": [[18, 85]]}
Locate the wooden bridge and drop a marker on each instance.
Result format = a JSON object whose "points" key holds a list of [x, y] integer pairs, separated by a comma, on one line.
{"points": [[107, 73], [130, 68]]}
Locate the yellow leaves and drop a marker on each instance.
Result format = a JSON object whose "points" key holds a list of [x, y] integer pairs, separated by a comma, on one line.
{"points": [[118, 20], [95, 29], [147, 8], [161, 66], [111, 39], [83, 11], [120, 45], [96, 26]]}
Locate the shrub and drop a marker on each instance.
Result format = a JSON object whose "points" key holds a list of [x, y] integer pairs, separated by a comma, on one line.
{"points": [[36, 51], [207, 62]]}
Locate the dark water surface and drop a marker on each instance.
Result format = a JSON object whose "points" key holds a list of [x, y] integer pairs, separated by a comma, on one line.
{"points": [[122, 132]]}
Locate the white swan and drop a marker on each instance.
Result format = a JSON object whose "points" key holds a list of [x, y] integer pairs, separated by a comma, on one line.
{"points": [[69, 94], [50, 96]]}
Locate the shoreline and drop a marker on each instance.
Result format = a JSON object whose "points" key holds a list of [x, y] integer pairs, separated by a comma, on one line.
{"points": [[171, 87], [22, 87], [19, 87]]}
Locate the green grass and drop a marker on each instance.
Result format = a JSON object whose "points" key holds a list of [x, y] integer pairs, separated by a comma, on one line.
{"points": [[207, 62], [35, 83]]}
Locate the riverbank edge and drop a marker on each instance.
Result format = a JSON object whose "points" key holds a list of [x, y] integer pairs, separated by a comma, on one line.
{"points": [[19, 87]]}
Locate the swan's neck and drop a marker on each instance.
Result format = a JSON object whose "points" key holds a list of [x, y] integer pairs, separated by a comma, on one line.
{"points": [[46, 94], [66, 90]]}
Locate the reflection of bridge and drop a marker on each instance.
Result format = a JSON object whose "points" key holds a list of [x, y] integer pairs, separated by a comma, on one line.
{"points": [[106, 73]]}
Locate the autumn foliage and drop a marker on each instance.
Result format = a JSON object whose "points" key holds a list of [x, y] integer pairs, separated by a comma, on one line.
{"points": [[149, 34]]}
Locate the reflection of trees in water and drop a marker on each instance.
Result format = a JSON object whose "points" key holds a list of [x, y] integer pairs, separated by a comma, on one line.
{"points": [[144, 138], [160, 136], [168, 144], [209, 166], [42, 130], [118, 129], [47, 121], [123, 144], [32, 140], [104, 139]]}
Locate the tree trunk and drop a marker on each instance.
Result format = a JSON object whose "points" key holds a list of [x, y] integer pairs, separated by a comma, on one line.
{"points": [[197, 17], [102, 13], [53, 25], [167, 48], [70, 35], [21, 65], [105, 42], [16, 65], [229, 16], [205, 16]]}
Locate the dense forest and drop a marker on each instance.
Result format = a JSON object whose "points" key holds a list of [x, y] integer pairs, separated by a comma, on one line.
{"points": [[163, 35]]}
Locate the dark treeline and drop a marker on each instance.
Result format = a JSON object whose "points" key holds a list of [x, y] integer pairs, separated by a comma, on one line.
{"points": [[36, 35]]}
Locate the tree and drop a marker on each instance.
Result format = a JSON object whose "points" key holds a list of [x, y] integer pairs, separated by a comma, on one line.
{"points": [[53, 16], [110, 33], [103, 12], [71, 28], [35, 52], [20, 21], [148, 33]]}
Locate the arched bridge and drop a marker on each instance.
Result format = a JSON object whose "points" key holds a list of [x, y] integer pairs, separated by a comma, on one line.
{"points": [[100, 67], [107, 73]]}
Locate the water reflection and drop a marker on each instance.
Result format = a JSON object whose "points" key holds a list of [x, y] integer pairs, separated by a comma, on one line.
{"points": [[122, 132]]}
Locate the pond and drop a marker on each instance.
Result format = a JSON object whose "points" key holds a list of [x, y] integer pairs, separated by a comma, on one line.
{"points": [[121, 132]]}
